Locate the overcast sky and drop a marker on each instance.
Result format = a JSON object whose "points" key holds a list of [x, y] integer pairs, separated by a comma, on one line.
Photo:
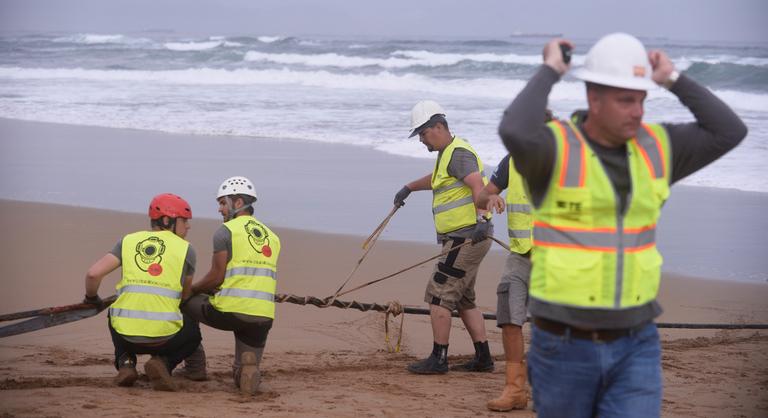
{"points": [[720, 20]]}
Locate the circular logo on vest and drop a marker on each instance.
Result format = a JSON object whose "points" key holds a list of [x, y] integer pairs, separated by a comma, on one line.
{"points": [[149, 252], [258, 237], [155, 269]]}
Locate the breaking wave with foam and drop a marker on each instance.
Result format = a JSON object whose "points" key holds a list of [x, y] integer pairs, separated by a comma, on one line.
{"points": [[349, 91]]}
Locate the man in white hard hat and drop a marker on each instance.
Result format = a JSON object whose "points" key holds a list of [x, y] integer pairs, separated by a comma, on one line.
{"points": [[242, 281], [455, 183], [597, 184]]}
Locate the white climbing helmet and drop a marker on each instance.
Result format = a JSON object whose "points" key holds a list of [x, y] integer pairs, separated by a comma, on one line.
{"points": [[236, 185], [422, 113], [617, 60]]}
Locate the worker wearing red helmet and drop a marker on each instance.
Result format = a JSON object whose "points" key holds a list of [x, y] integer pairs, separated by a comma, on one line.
{"points": [[157, 268]]}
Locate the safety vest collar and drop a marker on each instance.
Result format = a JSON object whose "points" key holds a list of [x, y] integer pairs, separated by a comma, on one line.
{"points": [[575, 148]]}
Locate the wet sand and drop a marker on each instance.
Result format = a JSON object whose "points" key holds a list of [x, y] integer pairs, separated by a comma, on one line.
{"points": [[325, 362], [331, 188]]}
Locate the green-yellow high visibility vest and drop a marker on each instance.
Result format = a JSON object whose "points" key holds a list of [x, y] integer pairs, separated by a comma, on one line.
{"points": [[452, 204], [586, 253], [519, 219], [149, 293], [250, 281]]}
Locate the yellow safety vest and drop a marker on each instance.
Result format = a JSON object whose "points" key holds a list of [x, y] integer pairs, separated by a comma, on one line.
{"points": [[452, 205], [250, 281], [587, 254], [149, 293], [519, 219]]}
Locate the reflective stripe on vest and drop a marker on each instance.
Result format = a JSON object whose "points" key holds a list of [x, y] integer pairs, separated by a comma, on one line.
{"points": [[154, 316], [243, 293], [149, 292], [519, 218], [250, 279], [587, 253], [452, 205], [250, 271]]}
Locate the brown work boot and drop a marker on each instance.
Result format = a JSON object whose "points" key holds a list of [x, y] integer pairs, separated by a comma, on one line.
{"points": [[515, 394], [195, 366], [250, 377], [126, 376], [158, 374]]}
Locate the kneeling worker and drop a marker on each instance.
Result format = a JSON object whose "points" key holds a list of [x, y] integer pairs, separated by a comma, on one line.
{"points": [[242, 280], [157, 269]]}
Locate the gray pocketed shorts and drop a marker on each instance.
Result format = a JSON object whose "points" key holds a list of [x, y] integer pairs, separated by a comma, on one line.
{"points": [[512, 292], [452, 284]]}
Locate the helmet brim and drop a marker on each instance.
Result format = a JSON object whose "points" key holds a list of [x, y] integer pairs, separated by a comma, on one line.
{"points": [[635, 83]]}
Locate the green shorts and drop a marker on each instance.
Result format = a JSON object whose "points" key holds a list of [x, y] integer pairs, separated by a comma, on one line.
{"points": [[452, 284]]}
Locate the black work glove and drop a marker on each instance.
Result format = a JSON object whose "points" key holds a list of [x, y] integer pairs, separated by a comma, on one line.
{"points": [[401, 196], [95, 301], [481, 231]]}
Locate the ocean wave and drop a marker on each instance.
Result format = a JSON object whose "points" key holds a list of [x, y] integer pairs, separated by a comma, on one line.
{"points": [[730, 76], [383, 81], [397, 59], [94, 39], [434, 59], [193, 46], [685, 61], [326, 60], [270, 39]]}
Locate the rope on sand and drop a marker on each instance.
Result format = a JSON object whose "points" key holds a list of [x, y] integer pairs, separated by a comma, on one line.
{"points": [[395, 309]]}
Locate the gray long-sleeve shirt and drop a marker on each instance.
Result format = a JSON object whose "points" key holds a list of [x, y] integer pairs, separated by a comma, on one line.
{"points": [[694, 145]]}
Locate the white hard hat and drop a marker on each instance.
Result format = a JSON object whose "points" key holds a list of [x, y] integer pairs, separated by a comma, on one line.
{"points": [[617, 60], [236, 185], [422, 113]]}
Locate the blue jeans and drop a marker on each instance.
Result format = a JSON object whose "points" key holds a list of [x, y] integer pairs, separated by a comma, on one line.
{"points": [[580, 378]]}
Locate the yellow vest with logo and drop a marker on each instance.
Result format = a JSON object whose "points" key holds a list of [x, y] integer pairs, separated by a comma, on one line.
{"points": [[250, 281], [452, 205], [588, 254], [519, 219], [149, 292]]}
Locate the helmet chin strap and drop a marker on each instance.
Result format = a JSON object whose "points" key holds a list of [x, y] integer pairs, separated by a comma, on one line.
{"points": [[231, 211]]}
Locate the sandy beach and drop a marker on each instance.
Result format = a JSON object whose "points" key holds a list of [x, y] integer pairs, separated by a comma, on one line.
{"points": [[68, 193], [325, 362]]}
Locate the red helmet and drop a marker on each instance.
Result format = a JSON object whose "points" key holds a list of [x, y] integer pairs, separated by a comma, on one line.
{"points": [[170, 205]]}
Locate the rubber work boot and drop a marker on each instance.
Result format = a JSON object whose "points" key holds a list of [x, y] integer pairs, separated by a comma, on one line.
{"points": [[126, 372], [250, 377], [195, 366], [159, 376], [515, 394], [482, 362], [436, 363]]}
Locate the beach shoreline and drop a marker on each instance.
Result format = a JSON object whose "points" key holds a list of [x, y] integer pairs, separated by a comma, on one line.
{"points": [[327, 188]]}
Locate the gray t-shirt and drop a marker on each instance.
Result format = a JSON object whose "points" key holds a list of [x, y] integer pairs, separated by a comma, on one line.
{"points": [[222, 241], [462, 164]]}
